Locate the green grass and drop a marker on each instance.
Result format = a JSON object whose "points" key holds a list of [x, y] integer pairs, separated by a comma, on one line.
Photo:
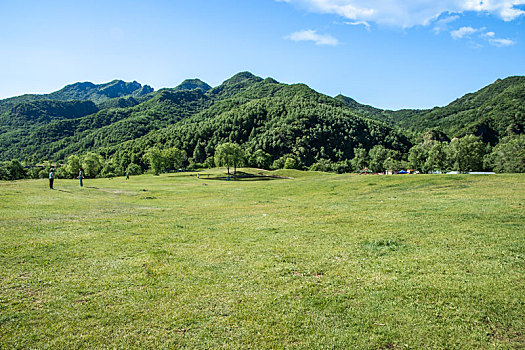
{"points": [[320, 261]]}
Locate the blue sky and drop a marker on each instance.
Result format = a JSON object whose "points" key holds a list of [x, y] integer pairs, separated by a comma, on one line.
{"points": [[387, 53]]}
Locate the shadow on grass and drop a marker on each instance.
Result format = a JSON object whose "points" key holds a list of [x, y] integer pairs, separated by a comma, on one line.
{"points": [[242, 176]]}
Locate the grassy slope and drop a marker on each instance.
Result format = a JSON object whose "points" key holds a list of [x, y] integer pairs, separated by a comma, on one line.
{"points": [[319, 261]]}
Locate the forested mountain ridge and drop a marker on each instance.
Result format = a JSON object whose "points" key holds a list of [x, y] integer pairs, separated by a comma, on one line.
{"points": [[289, 121], [85, 91], [493, 112], [123, 120]]}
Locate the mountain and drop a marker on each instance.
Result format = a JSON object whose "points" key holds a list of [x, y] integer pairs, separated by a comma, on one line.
{"points": [[191, 84], [122, 120], [97, 93], [493, 112], [361, 108], [277, 118], [102, 92], [260, 113]]}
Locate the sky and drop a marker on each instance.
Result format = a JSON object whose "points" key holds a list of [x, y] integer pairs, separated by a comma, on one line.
{"points": [[390, 54]]}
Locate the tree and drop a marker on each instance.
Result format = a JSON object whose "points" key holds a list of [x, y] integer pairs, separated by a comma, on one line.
{"points": [[378, 155], [199, 153], [156, 161], [290, 163], [229, 154], [360, 160], [261, 159], [172, 158], [73, 165], [134, 169], [92, 164], [437, 157], [466, 153], [12, 170], [509, 155], [417, 157]]}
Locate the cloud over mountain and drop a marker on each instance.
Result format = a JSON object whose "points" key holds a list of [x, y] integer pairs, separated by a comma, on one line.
{"points": [[409, 13], [312, 35]]}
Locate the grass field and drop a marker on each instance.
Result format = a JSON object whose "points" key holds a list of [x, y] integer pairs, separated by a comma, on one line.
{"points": [[320, 261]]}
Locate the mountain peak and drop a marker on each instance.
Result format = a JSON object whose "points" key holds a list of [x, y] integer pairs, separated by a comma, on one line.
{"points": [[191, 84], [100, 92], [242, 77]]}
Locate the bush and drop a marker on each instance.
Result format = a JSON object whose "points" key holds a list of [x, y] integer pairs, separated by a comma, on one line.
{"points": [[134, 169], [322, 165]]}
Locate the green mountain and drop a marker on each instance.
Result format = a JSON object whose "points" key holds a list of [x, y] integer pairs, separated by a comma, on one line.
{"points": [[277, 118], [495, 111], [191, 84], [260, 114], [97, 93]]}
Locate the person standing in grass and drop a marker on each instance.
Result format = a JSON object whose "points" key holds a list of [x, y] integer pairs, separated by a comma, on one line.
{"points": [[51, 178], [81, 176]]}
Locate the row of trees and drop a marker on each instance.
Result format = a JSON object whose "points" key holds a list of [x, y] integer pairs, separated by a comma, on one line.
{"points": [[461, 154], [469, 153]]}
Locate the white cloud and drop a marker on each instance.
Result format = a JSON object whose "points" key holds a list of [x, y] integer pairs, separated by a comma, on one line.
{"points": [[409, 13], [501, 42], [359, 23], [442, 24], [311, 35], [463, 32], [490, 37]]}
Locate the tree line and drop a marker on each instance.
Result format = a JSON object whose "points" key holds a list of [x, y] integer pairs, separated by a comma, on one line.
{"points": [[464, 154]]}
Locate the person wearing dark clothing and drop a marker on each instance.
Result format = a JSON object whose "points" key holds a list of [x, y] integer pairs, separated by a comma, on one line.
{"points": [[51, 177], [81, 176]]}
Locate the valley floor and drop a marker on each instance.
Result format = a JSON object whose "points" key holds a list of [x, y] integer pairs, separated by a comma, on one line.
{"points": [[308, 262]]}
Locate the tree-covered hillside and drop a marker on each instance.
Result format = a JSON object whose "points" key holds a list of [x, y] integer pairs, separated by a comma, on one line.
{"points": [[246, 109], [268, 119], [291, 120], [86, 91], [492, 113]]}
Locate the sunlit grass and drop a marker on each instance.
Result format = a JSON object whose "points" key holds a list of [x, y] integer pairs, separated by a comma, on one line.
{"points": [[317, 261]]}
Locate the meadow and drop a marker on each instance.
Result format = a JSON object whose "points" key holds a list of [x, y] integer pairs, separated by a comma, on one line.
{"points": [[314, 261]]}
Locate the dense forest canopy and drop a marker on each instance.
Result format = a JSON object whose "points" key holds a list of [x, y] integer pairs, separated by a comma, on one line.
{"points": [[121, 121]]}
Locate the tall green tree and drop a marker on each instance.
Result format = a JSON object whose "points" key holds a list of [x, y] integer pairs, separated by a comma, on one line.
{"points": [[199, 153], [172, 158], [73, 165], [12, 170], [361, 159], [378, 155], [156, 161], [417, 157], [437, 157], [466, 154], [261, 159], [92, 164], [229, 154], [509, 155]]}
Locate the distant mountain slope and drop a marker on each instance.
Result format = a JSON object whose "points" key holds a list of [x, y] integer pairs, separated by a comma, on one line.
{"points": [[492, 113], [361, 108], [34, 113], [191, 84], [100, 92], [106, 127], [86, 91], [279, 119], [258, 113]]}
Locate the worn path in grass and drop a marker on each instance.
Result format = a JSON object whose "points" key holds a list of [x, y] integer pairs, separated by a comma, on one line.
{"points": [[317, 261]]}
